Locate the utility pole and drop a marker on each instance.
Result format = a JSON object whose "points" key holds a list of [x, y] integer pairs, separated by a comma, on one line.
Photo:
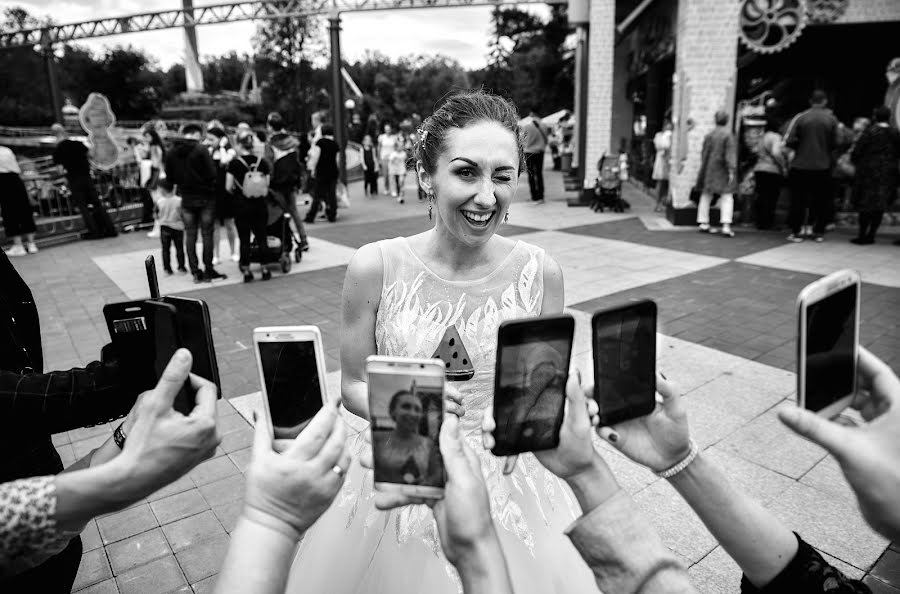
{"points": [[337, 93], [193, 74], [52, 77], [579, 15]]}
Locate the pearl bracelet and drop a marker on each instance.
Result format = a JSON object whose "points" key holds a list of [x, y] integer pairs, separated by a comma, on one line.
{"points": [[670, 472]]}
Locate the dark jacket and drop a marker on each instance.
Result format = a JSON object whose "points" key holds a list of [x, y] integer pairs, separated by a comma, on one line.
{"points": [[287, 173], [814, 135], [190, 167], [876, 156]]}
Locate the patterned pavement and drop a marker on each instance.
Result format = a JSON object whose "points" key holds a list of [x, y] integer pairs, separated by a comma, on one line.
{"points": [[726, 337]]}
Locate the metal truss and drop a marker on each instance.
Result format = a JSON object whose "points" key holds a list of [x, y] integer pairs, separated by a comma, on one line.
{"points": [[221, 13]]}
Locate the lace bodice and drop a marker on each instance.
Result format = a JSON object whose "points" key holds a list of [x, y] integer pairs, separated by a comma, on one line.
{"points": [[417, 307]]}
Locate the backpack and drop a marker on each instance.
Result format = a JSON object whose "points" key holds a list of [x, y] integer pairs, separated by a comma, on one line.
{"points": [[255, 184]]}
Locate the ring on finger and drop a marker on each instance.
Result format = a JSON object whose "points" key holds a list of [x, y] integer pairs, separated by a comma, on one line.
{"points": [[337, 470]]}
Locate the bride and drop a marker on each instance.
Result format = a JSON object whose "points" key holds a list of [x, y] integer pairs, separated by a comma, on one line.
{"points": [[444, 292]]}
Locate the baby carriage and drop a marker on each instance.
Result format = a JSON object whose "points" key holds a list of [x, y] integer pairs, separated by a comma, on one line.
{"points": [[608, 187], [280, 239]]}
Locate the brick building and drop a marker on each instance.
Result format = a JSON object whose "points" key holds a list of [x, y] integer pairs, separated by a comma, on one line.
{"points": [[651, 60]]}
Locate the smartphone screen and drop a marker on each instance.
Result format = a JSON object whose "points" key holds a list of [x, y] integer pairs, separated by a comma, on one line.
{"points": [[292, 385], [830, 348], [406, 411], [625, 362], [530, 382], [196, 336]]}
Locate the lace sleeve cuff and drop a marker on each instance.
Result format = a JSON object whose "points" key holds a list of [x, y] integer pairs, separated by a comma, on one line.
{"points": [[28, 531]]}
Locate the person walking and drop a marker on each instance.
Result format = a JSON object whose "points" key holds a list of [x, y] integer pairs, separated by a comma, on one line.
{"points": [[876, 156], [768, 172], [662, 142], [370, 167], [397, 171], [813, 135], [386, 144], [718, 174], [15, 208], [535, 141], [73, 156], [287, 177], [324, 167], [191, 168], [251, 213]]}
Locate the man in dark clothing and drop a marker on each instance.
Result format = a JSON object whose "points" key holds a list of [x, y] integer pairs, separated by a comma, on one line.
{"points": [[34, 405], [73, 156], [191, 168], [324, 166], [813, 135], [287, 175]]}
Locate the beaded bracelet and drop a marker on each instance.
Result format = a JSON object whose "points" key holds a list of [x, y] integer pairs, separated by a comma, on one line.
{"points": [[119, 436], [670, 472]]}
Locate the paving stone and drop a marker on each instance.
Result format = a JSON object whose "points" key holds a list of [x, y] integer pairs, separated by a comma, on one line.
{"points": [[879, 587], [129, 522], [241, 458], [161, 575], [86, 432], [709, 423], [66, 454], [137, 550], [179, 506], [190, 531], [887, 569], [59, 439], [206, 586], [760, 483], [203, 560], [179, 486], [213, 470], [767, 442], [236, 440], [827, 476], [85, 446], [848, 570], [224, 490], [90, 537], [105, 587], [680, 528], [829, 524], [94, 568], [229, 513], [230, 423]]}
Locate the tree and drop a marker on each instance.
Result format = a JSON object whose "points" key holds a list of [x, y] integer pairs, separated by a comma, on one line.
{"points": [[26, 97], [224, 73]]}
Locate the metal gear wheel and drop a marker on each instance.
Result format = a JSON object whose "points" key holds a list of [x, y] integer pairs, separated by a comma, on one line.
{"points": [[826, 11], [769, 26]]}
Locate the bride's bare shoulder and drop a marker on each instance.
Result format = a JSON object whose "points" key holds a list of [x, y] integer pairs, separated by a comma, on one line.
{"points": [[366, 266]]}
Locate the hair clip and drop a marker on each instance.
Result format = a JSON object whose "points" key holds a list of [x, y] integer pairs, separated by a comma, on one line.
{"points": [[423, 134]]}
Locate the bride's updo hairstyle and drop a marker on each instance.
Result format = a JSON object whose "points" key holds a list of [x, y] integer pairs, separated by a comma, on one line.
{"points": [[459, 110]]}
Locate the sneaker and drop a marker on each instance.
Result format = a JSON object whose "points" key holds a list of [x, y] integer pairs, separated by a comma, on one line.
{"points": [[235, 257], [154, 233], [216, 261], [818, 238], [304, 245], [199, 277], [16, 250], [168, 271], [31, 247], [393, 194], [727, 232], [540, 201], [703, 228], [806, 231], [266, 274], [248, 276], [213, 275], [714, 231], [400, 200], [795, 238], [182, 270]]}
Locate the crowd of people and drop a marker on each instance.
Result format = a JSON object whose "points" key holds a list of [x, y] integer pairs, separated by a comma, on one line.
{"points": [[492, 532]]}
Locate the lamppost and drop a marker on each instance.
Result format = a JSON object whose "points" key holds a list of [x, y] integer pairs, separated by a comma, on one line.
{"points": [[337, 93], [579, 15]]}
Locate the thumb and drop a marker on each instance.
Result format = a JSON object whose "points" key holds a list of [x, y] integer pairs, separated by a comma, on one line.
{"points": [[576, 408], [451, 446], [173, 378], [831, 436], [262, 442]]}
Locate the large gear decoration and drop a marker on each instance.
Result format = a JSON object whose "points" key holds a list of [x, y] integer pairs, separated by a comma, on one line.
{"points": [[826, 11], [769, 26]]}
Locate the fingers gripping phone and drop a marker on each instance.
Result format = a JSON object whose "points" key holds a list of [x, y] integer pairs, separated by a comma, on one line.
{"points": [[291, 364], [624, 341], [529, 383], [828, 343], [406, 410]]}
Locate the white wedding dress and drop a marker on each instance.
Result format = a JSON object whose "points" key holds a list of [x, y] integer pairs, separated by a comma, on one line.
{"points": [[357, 549]]}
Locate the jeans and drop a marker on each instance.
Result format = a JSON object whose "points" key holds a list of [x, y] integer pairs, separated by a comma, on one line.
{"points": [[534, 164], [204, 216], [251, 216], [169, 237], [726, 208], [85, 197], [370, 184], [810, 195], [768, 188], [324, 190], [14, 205]]}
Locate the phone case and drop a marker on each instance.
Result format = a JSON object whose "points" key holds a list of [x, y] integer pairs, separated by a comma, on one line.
{"points": [[133, 328], [195, 329], [168, 340], [525, 423]]}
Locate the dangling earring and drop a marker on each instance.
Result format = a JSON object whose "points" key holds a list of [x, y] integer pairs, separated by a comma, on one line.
{"points": [[430, 201], [506, 218]]}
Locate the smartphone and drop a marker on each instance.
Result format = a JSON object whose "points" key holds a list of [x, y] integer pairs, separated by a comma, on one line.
{"points": [[152, 279], [195, 332], [406, 409], [529, 383], [624, 341], [291, 364], [828, 343], [167, 340]]}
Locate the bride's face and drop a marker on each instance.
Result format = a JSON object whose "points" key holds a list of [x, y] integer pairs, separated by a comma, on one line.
{"points": [[475, 180]]}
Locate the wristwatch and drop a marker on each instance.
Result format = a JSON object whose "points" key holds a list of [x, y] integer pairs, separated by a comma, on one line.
{"points": [[119, 436]]}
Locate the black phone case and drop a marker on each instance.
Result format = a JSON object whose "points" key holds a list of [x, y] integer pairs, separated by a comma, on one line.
{"points": [[647, 406], [193, 321], [132, 329], [168, 340], [505, 334]]}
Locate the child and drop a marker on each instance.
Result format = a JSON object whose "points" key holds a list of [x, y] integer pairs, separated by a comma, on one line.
{"points": [[171, 227], [370, 167], [397, 170]]}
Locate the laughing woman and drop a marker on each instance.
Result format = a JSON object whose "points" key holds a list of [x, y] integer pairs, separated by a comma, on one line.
{"points": [[446, 291]]}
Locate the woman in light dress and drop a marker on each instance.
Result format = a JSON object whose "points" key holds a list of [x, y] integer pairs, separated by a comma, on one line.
{"points": [[401, 297]]}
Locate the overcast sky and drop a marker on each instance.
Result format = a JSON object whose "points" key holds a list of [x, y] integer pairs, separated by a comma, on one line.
{"points": [[462, 33]]}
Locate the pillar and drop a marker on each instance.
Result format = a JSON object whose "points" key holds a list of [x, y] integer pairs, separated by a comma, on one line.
{"points": [[705, 77], [193, 75], [337, 94], [601, 52]]}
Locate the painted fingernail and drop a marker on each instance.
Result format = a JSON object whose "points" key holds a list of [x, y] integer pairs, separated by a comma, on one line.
{"points": [[663, 375], [254, 417], [614, 437]]}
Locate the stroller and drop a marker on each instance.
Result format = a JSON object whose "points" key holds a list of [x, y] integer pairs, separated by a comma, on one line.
{"points": [[608, 187], [280, 239]]}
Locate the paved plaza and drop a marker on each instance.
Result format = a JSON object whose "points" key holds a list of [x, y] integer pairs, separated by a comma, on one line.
{"points": [[727, 327]]}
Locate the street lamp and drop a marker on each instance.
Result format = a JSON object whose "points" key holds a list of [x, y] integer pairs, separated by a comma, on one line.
{"points": [[350, 104]]}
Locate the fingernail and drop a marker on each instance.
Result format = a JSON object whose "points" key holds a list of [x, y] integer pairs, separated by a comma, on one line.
{"points": [[663, 375], [614, 437], [254, 417]]}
